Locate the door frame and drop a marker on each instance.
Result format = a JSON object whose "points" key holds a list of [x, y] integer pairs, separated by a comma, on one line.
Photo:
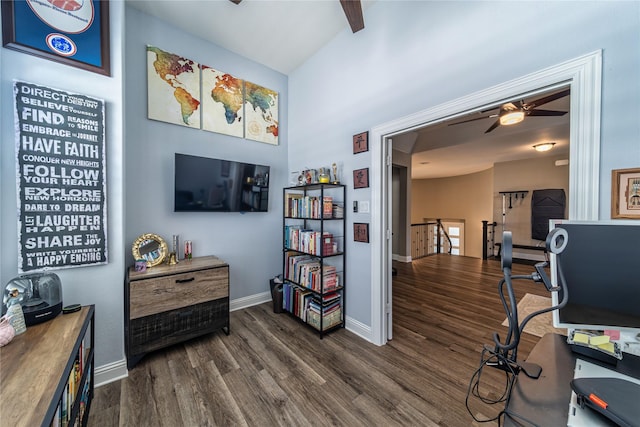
{"points": [[583, 75]]}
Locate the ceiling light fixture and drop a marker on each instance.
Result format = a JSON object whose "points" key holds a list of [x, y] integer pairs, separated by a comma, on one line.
{"points": [[511, 117], [545, 146]]}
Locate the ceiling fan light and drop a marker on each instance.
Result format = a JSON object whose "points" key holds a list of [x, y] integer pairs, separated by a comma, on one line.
{"points": [[511, 117], [546, 146]]}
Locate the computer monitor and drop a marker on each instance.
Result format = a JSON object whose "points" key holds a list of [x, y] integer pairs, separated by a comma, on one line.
{"points": [[601, 268]]}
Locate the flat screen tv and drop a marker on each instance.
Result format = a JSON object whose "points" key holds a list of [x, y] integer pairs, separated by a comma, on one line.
{"points": [[204, 184], [600, 268]]}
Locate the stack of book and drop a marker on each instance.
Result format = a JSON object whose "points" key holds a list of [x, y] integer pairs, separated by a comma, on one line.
{"points": [[327, 307], [338, 211]]}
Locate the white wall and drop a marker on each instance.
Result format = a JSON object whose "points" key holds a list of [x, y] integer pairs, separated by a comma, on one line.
{"points": [[251, 242], [99, 285], [415, 55]]}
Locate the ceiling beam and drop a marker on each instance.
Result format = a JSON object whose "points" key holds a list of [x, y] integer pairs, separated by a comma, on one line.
{"points": [[353, 11]]}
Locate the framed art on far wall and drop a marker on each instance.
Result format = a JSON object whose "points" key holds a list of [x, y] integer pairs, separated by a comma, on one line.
{"points": [[361, 142], [361, 178], [72, 33], [361, 232], [625, 193]]}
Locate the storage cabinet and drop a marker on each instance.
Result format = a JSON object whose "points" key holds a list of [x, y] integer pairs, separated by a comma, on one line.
{"points": [[169, 304], [314, 265], [47, 373]]}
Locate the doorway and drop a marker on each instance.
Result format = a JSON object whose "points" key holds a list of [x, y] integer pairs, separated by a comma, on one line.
{"points": [[582, 75]]}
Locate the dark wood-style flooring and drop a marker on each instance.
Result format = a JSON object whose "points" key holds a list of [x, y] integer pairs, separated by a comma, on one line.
{"points": [[274, 371]]}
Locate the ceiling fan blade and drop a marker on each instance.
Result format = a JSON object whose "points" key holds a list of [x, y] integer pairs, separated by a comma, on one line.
{"points": [[235, 1], [549, 98], [353, 11], [545, 113], [473, 120], [493, 126]]}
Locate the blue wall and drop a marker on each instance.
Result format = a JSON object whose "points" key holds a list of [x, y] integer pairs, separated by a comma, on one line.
{"points": [[99, 285], [415, 55], [251, 242]]}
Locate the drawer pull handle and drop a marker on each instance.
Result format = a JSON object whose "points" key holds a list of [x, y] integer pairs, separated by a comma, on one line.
{"points": [[185, 280]]}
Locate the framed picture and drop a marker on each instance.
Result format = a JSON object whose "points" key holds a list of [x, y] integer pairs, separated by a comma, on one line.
{"points": [[74, 33], [361, 178], [361, 142], [625, 193], [361, 232]]}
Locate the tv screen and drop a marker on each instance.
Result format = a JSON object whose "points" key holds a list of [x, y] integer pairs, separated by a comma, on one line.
{"points": [[205, 184]]}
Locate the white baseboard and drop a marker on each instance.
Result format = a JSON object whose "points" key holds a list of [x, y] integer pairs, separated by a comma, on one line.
{"points": [[251, 300], [115, 371], [358, 328], [111, 372], [401, 258]]}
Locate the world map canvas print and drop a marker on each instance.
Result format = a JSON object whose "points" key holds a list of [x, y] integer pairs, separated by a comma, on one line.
{"points": [[173, 88], [222, 102], [261, 113]]}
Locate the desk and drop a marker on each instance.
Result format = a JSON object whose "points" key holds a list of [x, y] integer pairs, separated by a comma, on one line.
{"points": [[545, 401]]}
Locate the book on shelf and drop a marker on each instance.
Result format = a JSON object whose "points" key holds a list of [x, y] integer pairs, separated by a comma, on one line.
{"points": [[297, 205], [330, 278], [296, 300], [328, 244], [291, 204], [327, 207], [308, 241]]}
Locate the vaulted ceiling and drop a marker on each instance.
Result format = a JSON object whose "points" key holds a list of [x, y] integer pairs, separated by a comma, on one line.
{"points": [[278, 34], [284, 34]]}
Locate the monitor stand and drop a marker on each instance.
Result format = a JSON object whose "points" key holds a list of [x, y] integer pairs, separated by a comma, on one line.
{"points": [[594, 354]]}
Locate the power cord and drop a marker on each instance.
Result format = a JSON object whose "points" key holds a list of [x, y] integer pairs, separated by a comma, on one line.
{"points": [[490, 357], [504, 355]]}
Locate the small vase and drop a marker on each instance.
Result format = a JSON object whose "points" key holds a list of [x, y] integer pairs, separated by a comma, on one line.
{"points": [[16, 318]]}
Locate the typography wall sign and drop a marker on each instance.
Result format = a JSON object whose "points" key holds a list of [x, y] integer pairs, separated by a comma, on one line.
{"points": [[61, 178]]}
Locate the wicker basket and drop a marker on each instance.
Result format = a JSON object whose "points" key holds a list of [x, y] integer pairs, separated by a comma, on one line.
{"points": [[329, 320]]}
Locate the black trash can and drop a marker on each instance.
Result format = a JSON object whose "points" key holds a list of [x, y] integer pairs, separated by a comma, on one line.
{"points": [[276, 295]]}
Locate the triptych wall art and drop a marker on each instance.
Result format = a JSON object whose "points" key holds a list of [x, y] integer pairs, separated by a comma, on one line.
{"points": [[184, 92]]}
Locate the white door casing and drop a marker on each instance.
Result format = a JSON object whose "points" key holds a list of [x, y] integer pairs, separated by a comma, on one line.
{"points": [[583, 75]]}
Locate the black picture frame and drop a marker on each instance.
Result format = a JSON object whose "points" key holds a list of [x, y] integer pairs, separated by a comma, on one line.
{"points": [[361, 142], [24, 31], [361, 232], [361, 178]]}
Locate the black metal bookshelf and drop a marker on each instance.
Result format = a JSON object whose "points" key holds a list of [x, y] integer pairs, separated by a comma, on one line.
{"points": [[314, 255]]}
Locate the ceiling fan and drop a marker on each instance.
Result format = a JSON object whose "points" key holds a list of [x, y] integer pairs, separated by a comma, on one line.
{"points": [[515, 112], [352, 9]]}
